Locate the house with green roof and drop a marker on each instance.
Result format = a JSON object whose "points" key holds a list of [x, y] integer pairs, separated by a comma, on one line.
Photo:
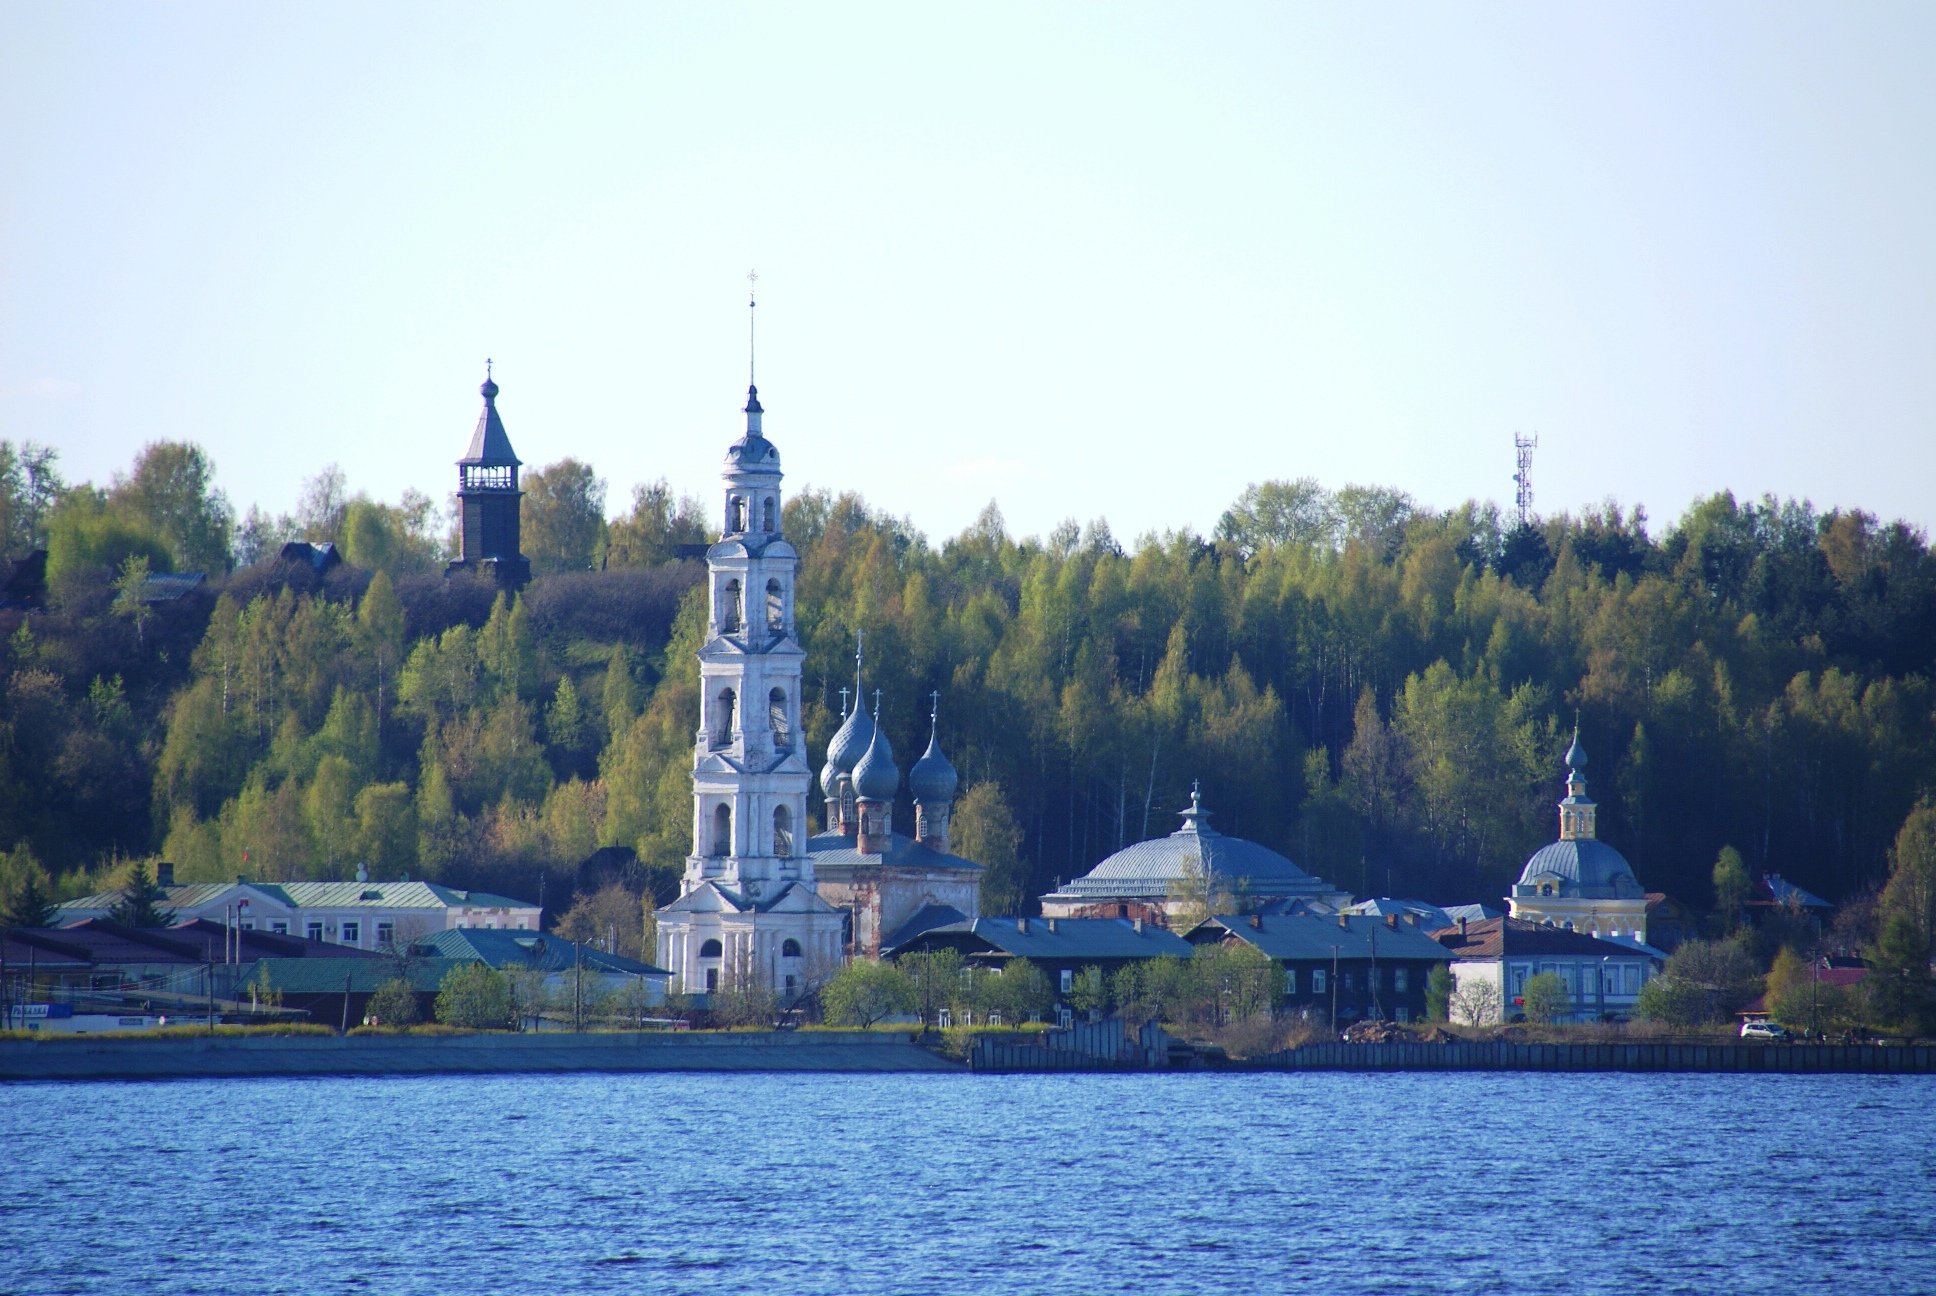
{"points": [[362, 914]]}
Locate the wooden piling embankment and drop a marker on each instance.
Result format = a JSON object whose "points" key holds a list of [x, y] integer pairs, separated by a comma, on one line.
{"points": [[1501, 1055]]}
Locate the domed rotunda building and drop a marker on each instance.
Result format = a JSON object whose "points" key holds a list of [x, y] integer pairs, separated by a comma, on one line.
{"points": [[1153, 880], [1579, 882]]}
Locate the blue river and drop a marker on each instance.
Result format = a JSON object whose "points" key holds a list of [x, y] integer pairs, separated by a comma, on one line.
{"points": [[846, 1184]]}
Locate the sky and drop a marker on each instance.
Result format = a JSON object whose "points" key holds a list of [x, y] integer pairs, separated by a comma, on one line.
{"points": [[1082, 260]]}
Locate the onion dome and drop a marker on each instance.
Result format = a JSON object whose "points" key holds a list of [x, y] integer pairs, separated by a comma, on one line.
{"points": [[848, 745], [877, 778], [933, 778], [1576, 754]]}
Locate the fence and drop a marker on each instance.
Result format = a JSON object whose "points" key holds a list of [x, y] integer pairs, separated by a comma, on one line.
{"points": [[1499, 1055]]}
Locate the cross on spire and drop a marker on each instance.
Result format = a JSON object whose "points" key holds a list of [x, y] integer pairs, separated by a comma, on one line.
{"points": [[752, 301], [877, 704], [844, 691]]}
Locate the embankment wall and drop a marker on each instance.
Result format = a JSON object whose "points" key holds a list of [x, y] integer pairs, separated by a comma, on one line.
{"points": [[1499, 1055], [144, 1059]]}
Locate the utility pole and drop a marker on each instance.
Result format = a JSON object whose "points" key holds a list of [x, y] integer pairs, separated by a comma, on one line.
{"points": [[1334, 989], [209, 984], [346, 1003]]}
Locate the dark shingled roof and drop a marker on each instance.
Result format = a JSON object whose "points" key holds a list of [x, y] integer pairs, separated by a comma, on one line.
{"points": [[490, 447]]}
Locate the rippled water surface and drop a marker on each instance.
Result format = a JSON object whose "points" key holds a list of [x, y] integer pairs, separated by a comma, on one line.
{"points": [[852, 1184]]}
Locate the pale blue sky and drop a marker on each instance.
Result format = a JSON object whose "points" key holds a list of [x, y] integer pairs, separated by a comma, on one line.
{"points": [[1085, 260]]}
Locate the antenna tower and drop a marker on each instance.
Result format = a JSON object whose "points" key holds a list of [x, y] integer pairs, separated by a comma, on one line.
{"points": [[1523, 479]]}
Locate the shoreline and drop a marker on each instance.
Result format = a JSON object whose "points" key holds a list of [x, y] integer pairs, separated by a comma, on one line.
{"points": [[876, 1052]]}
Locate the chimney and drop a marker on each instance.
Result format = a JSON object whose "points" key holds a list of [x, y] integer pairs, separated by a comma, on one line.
{"points": [[1412, 918], [1462, 927], [164, 874], [1257, 922], [1021, 926], [1391, 921], [1139, 925], [1051, 924], [1344, 922]]}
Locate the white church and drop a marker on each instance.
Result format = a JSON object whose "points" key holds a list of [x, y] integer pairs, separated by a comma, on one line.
{"points": [[753, 908]]}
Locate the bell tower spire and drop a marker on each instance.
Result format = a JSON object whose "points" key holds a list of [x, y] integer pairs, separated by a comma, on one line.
{"points": [[747, 913]]}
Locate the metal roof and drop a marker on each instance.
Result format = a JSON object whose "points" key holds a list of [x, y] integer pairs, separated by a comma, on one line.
{"points": [[318, 895], [1152, 869], [1312, 937], [1585, 867], [500, 948], [1058, 940], [1508, 937], [902, 852], [363, 976]]}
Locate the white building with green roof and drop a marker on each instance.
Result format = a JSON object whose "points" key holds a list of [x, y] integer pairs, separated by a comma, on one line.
{"points": [[367, 915]]}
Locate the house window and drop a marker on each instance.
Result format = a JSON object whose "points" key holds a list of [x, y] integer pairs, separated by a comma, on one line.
{"points": [[712, 978], [351, 932], [314, 930], [722, 830], [1317, 981], [791, 982], [710, 949], [1404, 1013], [1401, 982], [386, 933], [1349, 982], [790, 948], [782, 831], [1290, 982], [775, 606], [279, 928], [729, 608], [1064, 1018]]}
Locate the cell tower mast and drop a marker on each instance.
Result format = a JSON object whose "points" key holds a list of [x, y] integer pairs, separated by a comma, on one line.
{"points": [[1523, 479]]}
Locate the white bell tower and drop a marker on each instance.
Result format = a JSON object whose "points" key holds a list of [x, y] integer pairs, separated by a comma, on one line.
{"points": [[747, 914]]}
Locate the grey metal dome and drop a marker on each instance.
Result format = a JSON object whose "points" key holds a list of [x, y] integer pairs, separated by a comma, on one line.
{"points": [[849, 744], [877, 778], [933, 778], [1153, 868], [1586, 868]]}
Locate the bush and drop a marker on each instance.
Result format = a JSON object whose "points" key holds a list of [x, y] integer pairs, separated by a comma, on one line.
{"points": [[394, 1004], [475, 997], [865, 992]]}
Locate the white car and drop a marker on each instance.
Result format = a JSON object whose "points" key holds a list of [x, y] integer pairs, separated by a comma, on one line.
{"points": [[1763, 1030]]}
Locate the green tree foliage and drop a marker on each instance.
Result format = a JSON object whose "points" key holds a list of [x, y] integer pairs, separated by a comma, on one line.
{"points": [[984, 830], [89, 541], [26, 898], [474, 997], [865, 992], [1546, 998], [395, 1004], [171, 493], [30, 483], [1911, 889], [654, 530], [1730, 887], [564, 516], [1438, 993], [937, 980], [1704, 983], [143, 902]]}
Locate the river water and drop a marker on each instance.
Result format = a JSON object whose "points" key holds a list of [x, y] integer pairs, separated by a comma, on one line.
{"points": [[845, 1184]]}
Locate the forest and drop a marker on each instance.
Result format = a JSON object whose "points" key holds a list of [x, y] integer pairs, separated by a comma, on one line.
{"points": [[1379, 690]]}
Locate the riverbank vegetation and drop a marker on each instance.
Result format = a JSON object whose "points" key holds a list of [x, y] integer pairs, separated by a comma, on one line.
{"points": [[1377, 689]]}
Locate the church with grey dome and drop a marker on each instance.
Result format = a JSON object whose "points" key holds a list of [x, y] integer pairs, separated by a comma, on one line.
{"points": [[1580, 882], [1152, 880]]}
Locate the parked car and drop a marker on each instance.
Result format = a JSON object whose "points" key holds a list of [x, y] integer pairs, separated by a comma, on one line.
{"points": [[1764, 1030]]}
